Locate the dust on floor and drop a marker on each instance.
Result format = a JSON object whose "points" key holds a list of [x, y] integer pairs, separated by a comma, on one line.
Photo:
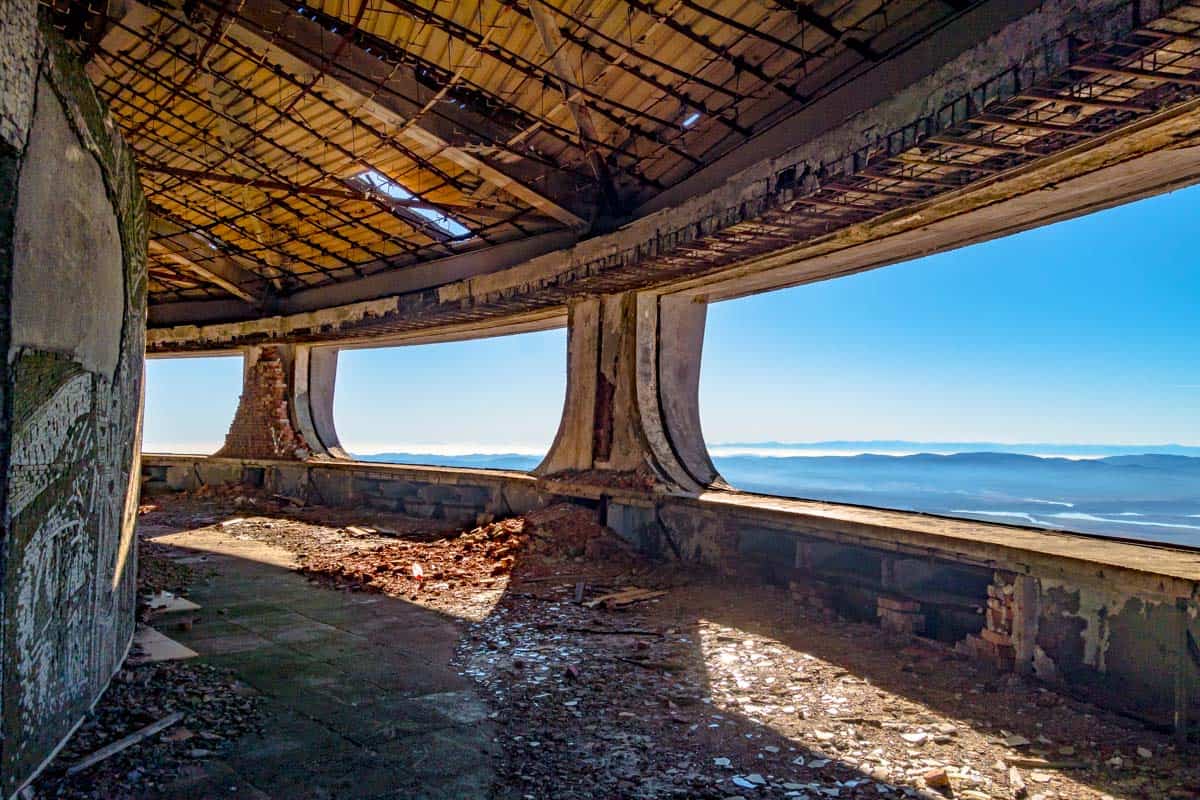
{"points": [[699, 687]]}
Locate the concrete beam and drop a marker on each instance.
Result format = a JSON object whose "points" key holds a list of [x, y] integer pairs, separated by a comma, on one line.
{"points": [[552, 44], [284, 38], [884, 80], [289, 41], [409, 279], [1083, 183], [178, 246]]}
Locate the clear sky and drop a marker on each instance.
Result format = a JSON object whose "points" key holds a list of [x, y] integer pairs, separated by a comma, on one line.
{"points": [[1087, 331]]}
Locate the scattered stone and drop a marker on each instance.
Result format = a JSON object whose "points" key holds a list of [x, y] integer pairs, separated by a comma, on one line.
{"points": [[1017, 783], [937, 779], [611, 720], [202, 702]]}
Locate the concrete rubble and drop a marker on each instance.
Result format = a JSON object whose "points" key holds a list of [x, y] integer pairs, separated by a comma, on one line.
{"points": [[214, 708], [693, 688]]}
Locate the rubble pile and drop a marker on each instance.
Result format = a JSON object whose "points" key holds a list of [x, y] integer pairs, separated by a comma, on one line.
{"points": [[474, 558], [466, 573], [157, 572], [216, 711], [609, 676], [719, 692], [565, 532]]}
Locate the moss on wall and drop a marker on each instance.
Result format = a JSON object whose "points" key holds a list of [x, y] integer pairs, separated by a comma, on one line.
{"points": [[68, 431]]}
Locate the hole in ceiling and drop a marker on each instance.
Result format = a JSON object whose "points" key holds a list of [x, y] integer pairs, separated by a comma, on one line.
{"points": [[389, 188]]}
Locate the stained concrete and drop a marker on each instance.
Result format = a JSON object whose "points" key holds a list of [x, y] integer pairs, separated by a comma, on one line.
{"points": [[72, 329], [361, 698], [67, 253], [21, 49], [633, 399]]}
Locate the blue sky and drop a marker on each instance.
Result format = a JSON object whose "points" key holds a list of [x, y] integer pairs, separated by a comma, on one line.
{"points": [[1085, 331]]}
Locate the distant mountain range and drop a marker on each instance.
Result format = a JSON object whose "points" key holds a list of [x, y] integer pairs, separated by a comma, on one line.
{"points": [[510, 461], [903, 447], [1149, 495]]}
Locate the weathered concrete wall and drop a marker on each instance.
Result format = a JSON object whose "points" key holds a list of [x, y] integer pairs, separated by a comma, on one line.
{"points": [[438, 493], [1108, 619], [72, 321]]}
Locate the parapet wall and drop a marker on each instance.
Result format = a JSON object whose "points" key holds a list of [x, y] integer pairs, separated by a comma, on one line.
{"points": [[1113, 621], [437, 493], [72, 331]]}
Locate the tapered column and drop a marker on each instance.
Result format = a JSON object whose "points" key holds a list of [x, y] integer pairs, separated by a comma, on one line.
{"points": [[632, 404], [286, 408]]}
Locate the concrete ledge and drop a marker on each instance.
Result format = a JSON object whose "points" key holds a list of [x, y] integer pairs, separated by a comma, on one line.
{"points": [[1162, 569], [1114, 621]]}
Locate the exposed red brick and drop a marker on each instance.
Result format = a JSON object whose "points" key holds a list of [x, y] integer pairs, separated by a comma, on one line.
{"points": [[262, 427]]}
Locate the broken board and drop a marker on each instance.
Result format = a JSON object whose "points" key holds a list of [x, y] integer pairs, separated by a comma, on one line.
{"points": [[624, 597], [149, 646]]}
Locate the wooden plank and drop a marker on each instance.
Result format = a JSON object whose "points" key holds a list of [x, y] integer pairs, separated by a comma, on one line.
{"points": [[122, 744]]}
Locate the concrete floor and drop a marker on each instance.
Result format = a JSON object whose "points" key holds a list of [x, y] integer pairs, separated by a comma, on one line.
{"points": [[361, 701]]}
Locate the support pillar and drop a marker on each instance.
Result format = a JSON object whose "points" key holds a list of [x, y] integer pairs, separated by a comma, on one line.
{"points": [[286, 408], [632, 413]]}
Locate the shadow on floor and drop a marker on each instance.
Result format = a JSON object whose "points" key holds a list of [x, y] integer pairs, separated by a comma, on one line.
{"points": [[363, 702]]}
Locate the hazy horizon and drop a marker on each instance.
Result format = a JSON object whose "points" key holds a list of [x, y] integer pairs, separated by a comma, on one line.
{"points": [[831, 447]]}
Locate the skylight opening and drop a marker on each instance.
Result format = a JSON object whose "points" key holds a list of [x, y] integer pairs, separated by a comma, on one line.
{"points": [[390, 188], [691, 120]]}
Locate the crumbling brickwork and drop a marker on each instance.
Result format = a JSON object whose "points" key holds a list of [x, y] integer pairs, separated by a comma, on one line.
{"points": [[995, 642], [900, 615], [262, 427]]}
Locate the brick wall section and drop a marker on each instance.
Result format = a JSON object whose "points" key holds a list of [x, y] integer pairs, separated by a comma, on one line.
{"points": [[995, 642], [262, 427]]}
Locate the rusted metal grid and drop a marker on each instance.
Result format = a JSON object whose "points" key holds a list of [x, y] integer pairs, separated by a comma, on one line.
{"points": [[967, 141], [259, 163]]}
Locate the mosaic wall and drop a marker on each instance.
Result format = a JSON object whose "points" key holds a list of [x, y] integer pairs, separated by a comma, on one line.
{"points": [[72, 323]]}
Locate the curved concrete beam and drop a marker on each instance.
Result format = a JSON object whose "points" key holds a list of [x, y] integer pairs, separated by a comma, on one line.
{"points": [[314, 380], [632, 404]]}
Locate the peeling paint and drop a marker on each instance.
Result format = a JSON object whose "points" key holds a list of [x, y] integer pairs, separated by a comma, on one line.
{"points": [[1094, 607]]}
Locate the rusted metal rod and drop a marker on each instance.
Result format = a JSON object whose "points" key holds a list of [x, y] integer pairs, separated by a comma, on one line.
{"points": [[258, 183]]}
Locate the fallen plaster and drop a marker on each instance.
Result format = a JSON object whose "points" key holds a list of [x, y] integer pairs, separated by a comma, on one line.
{"points": [[151, 645]]}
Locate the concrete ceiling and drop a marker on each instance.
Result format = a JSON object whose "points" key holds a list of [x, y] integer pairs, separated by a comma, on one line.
{"points": [[347, 169]]}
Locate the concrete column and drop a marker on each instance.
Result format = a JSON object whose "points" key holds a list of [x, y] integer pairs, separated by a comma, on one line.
{"points": [[632, 404], [286, 408], [1025, 622], [314, 378]]}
